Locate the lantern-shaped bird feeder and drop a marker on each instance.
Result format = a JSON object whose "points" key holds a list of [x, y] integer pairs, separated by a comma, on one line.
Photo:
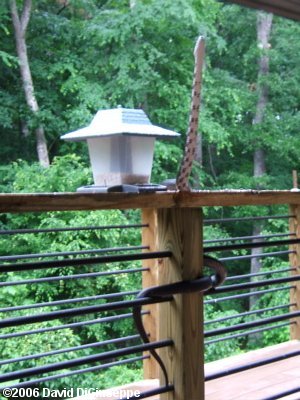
{"points": [[121, 146]]}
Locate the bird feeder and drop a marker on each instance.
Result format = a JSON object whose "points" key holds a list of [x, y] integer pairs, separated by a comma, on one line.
{"points": [[121, 146]]}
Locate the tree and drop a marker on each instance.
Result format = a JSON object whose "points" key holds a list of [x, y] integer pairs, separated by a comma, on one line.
{"points": [[264, 25], [90, 55], [20, 24]]}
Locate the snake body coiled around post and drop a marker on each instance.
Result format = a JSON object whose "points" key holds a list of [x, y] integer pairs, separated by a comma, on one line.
{"points": [[202, 284]]}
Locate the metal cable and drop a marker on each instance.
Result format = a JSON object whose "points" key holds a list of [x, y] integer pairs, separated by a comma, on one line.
{"points": [[277, 271], [84, 261], [69, 229], [246, 314], [68, 301], [252, 324], [221, 220], [274, 253], [247, 333], [250, 365], [71, 253], [233, 239], [72, 325], [25, 373], [255, 284], [35, 382], [74, 276], [283, 394], [69, 349], [251, 245], [73, 312], [242, 295]]}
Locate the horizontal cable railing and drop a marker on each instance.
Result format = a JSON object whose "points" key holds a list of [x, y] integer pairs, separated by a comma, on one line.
{"points": [[71, 349], [76, 313], [71, 313], [250, 365], [246, 325], [74, 276], [100, 322], [247, 333], [215, 300], [256, 284], [71, 253], [247, 313], [68, 301], [236, 253], [83, 261], [243, 219], [103, 320], [25, 373], [70, 229], [38, 381], [252, 245], [255, 274], [251, 237]]}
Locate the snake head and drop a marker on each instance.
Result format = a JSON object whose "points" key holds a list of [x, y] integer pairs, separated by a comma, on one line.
{"points": [[220, 271]]}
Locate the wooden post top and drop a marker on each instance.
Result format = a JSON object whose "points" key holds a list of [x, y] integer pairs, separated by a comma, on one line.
{"points": [[23, 202]]}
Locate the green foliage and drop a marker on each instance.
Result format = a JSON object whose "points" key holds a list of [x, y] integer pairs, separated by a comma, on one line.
{"points": [[165, 162], [8, 59], [65, 174], [35, 344], [101, 54], [116, 376], [222, 349], [98, 54], [276, 298]]}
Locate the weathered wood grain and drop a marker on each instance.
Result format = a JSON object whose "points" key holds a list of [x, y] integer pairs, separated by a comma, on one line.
{"points": [[295, 265], [180, 231], [150, 278], [105, 201]]}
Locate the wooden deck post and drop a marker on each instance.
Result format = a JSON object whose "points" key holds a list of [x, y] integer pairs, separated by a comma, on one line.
{"points": [[180, 231], [150, 278], [295, 264]]}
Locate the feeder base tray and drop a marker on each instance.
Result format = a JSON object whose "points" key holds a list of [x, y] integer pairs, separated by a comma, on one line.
{"points": [[138, 188]]}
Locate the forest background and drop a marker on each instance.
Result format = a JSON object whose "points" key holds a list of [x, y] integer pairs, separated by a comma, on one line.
{"points": [[89, 55]]}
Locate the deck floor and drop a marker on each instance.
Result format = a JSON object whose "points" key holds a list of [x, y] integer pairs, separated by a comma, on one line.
{"points": [[254, 384]]}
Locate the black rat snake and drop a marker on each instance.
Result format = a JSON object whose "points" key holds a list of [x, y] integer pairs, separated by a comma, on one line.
{"points": [[202, 284], [191, 138]]}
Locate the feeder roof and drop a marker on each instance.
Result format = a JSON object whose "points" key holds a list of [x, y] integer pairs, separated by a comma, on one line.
{"points": [[119, 121]]}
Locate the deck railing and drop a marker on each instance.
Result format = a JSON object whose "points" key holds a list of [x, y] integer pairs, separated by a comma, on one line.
{"points": [[275, 248], [171, 250], [281, 249]]}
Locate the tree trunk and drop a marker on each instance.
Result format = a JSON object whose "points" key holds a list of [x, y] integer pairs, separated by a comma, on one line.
{"points": [[132, 3], [264, 25], [20, 25]]}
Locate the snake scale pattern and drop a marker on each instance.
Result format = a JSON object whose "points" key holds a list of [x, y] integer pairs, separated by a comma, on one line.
{"points": [[182, 181]]}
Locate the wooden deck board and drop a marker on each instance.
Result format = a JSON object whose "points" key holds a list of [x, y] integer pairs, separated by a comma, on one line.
{"points": [[253, 384], [256, 383], [27, 202]]}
